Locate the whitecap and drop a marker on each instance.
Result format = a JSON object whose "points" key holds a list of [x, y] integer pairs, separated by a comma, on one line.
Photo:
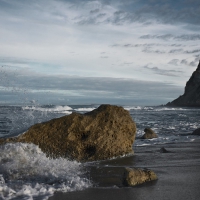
{"points": [[26, 172], [84, 109], [56, 109], [169, 109], [148, 108], [132, 108]]}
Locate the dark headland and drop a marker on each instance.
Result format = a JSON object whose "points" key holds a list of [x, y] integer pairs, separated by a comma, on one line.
{"points": [[191, 96]]}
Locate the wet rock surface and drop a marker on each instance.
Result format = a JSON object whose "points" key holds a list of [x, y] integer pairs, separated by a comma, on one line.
{"points": [[196, 132], [135, 176], [163, 150], [103, 133], [149, 134]]}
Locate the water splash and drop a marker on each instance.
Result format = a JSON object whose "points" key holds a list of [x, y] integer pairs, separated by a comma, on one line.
{"points": [[26, 172]]}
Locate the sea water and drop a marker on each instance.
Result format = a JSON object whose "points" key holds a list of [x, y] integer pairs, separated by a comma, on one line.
{"points": [[26, 172]]}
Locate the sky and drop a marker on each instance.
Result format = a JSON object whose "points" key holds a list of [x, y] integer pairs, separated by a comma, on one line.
{"points": [[64, 52]]}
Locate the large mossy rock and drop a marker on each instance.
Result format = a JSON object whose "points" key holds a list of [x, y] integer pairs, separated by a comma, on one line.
{"points": [[103, 133]]}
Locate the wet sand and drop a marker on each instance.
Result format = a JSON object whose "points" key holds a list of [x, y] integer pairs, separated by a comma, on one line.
{"points": [[178, 174]]}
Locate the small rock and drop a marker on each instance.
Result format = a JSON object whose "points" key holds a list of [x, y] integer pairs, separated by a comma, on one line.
{"points": [[196, 132], [163, 150], [134, 176], [149, 134]]}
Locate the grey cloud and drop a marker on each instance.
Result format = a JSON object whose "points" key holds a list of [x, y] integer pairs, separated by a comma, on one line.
{"points": [[176, 45], [128, 63], [94, 11], [147, 45], [151, 47], [104, 57], [192, 64], [100, 15], [188, 37], [173, 51], [174, 61], [7, 60], [163, 71], [163, 37], [143, 11], [78, 89], [162, 11], [87, 21], [115, 45], [176, 51], [119, 12], [184, 61], [127, 45], [197, 58], [148, 50], [192, 51]]}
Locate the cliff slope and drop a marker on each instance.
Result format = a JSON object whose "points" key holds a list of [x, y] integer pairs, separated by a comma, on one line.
{"points": [[191, 96]]}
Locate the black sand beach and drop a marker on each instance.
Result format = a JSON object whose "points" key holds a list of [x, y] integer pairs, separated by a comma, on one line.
{"points": [[178, 174]]}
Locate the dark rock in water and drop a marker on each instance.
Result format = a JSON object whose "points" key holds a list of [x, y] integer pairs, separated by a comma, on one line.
{"points": [[149, 134], [134, 176], [163, 150], [103, 133], [196, 132], [191, 96]]}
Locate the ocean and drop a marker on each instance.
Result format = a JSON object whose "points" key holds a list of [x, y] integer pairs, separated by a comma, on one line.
{"points": [[26, 172]]}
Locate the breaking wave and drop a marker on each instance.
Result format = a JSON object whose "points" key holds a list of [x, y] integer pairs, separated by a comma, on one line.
{"points": [[26, 172], [55, 109]]}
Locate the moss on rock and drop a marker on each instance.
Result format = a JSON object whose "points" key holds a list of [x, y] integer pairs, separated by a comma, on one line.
{"points": [[134, 176]]}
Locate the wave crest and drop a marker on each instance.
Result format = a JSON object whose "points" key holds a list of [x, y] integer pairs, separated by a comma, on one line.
{"points": [[25, 171]]}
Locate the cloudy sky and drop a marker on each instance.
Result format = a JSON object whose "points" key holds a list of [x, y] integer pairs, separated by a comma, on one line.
{"points": [[138, 52]]}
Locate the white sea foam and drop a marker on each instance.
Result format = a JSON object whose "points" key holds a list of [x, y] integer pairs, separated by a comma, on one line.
{"points": [[57, 109], [163, 139], [84, 109], [132, 107], [169, 109], [26, 172], [148, 108], [182, 115], [171, 128]]}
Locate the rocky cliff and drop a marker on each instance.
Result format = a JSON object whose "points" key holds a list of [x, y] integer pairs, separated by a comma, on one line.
{"points": [[191, 96]]}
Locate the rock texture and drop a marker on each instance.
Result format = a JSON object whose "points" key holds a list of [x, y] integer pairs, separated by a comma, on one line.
{"points": [[133, 176], [149, 134], [106, 132], [163, 150], [191, 96], [196, 132]]}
